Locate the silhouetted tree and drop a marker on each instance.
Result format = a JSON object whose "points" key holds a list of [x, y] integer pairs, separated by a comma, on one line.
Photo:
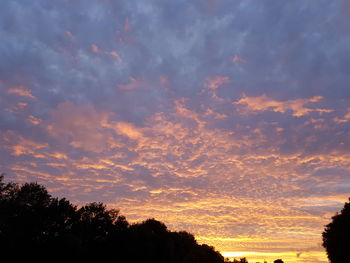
{"points": [[336, 236], [47, 229], [278, 261], [33, 222], [242, 260]]}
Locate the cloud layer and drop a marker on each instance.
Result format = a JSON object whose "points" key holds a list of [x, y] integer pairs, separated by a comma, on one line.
{"points": [[228, 119]]}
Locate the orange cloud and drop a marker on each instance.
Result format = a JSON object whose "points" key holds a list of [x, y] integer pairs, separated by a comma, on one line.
{"points": [[216, 81], [125, 129], [84, 127], [264, 103], [59, 155], [80, 125], [128, 130], [344, 119], [182, 111], [115, 54], [21, 91], [211, 113], [95, 48], [22, 146], [213, 83], [33, 120]]}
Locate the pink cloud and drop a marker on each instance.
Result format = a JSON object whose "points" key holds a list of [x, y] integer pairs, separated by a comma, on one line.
{"points": [[264, 103], [95, 48], [344, 119], [129, 130], [115, 54], [216, 81], [33, 120], [125, 129], [21, 91], [80, 126], [20, 145]]}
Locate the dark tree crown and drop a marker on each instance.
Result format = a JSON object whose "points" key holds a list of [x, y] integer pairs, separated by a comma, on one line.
{"points": [[336, 236], [47, 229]]}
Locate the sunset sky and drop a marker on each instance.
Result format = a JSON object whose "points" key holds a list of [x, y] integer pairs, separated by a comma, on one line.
{"points": [[229, 119]]}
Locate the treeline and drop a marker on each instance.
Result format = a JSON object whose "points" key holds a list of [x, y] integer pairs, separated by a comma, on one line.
{"points": [[34, 226]]}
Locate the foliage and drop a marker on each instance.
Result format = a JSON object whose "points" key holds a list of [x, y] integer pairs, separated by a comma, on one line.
{"points": [[47, 229], [242, 260], [336, 236]]}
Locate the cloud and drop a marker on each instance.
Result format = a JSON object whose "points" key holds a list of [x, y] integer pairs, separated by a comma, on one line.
{"points": [[213, 83], [95, 48], [18, 145], [21, 91], [126, 129], [115, 54], [33, 120], [297, 106], [69, 34], [130, 103], [237, 59], [80, 126], [343, 119], [185, 171], [216, 81]]}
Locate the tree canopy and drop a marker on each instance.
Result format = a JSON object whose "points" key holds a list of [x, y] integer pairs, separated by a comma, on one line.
{"points": [[336, 236], [47, 229]]}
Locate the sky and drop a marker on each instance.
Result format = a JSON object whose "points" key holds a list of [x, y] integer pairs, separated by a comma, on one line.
{"points": [[227, 119]]}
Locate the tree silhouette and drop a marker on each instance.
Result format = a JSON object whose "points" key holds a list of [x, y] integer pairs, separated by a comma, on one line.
{"points": [[33, 222], [242, 260], [278, 261], [47, 229], [336, 236]]}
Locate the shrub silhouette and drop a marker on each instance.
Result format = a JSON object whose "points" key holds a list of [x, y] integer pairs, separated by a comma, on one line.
{"points": [[336, 236], [242, 260], [34, 226]]}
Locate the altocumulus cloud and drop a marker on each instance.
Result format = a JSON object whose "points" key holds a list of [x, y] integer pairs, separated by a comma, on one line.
{"points": [[227, 119]]}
